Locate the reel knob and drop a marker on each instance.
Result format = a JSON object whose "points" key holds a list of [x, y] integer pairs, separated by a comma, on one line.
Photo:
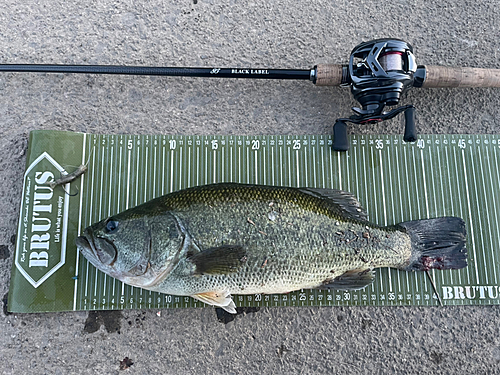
{"points": [[340, 142], [410, 130]]}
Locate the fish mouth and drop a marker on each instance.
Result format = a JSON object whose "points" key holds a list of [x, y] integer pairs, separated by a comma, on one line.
{"points": [[92, 248], [99, 251], [83, 244], [87, 247]]}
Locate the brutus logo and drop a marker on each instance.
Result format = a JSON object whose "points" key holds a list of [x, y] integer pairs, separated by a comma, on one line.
{"points": [[41, 245], [471, 292]]}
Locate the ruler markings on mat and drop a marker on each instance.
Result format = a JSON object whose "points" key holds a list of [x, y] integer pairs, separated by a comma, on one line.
{"points": [[439, 175]]}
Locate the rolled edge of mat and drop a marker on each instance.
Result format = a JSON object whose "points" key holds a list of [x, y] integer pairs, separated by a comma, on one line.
{"points": [[328, 75], [441, 76]]}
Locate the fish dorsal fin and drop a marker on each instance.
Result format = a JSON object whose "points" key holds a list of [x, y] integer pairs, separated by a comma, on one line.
{"points": [[345, 202], [220, 260], [351, 280]]}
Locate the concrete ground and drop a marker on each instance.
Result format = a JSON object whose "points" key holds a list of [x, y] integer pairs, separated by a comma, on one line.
{"points": [[261, 34]]}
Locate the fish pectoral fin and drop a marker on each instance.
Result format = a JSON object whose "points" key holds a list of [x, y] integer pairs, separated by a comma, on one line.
{"points": [[341, 201], [220, 260], [350, 280], [220, 299]]}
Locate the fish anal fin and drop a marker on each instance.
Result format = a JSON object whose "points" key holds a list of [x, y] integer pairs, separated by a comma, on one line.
{"points": [[344, 202], [350, 280], [220, 299], [220, 260]]}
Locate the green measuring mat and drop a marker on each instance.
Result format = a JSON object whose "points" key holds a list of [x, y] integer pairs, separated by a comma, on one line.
{"points": [[439, 175]]}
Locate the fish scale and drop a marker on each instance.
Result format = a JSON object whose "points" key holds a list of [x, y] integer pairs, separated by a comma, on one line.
{"points": [[300, 249]]}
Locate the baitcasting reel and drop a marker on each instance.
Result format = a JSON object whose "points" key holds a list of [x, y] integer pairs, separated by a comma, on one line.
{"points": [[380, 72]]}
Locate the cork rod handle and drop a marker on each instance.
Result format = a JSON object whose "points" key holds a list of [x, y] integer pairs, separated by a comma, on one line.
{"points": [[440, 76], [328, 75]]}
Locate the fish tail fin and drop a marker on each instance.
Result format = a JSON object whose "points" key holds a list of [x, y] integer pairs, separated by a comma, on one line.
{"points": [[436, 244]]}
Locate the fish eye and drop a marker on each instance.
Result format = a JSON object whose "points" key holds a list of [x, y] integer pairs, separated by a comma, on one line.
{"points": [[111, 226]]}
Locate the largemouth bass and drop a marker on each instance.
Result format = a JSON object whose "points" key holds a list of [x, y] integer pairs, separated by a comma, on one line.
{"points": [[211, 241]]}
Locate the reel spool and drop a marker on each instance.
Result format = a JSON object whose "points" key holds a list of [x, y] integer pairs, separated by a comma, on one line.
{"points": [[380, 72]]}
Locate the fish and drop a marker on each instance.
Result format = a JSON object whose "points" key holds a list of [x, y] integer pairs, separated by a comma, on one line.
{"points": [[213, 241]]}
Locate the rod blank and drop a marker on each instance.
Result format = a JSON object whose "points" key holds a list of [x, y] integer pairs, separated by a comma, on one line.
{"points": [[161, 71]]}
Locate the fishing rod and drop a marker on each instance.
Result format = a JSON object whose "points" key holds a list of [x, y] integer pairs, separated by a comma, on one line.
{"points": [[379, 73]]}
